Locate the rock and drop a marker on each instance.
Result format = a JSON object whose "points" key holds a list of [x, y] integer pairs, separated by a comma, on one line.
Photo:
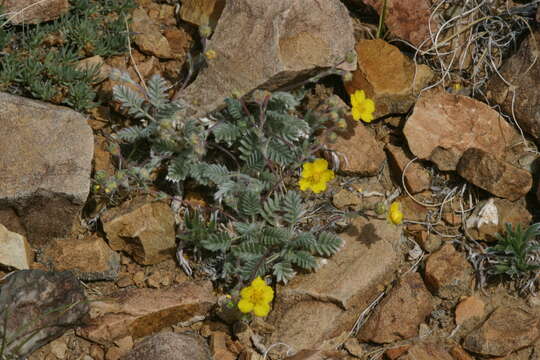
{"points": [[417, 178], [429, 242], [148, 37], [179, 42], [202, 12], [46, 162], [40, 306], [141, 312], [496, 176], [399, 314], [395, 352], [524, 103], [143, 229], [490, 216], [354, 348], [33, 11], [95, 61], [459, 354], [314, 311], [316, 355], [269, 46], [218, 346], [506, 330], [426, 351], [88, 258], [14, 250], [358, 151], [59, 348], [408, 20], [448, 273], [470, 309], [393, 84], [170, 346], [345, 198], [455, 123]]}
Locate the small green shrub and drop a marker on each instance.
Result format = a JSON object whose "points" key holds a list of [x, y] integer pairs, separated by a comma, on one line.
{"points": [[516, 252], [39, 60], [247, 156]]}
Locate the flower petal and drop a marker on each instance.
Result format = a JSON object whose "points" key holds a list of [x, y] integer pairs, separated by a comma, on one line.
{"points": [[268, 294], [258, 282], [304, 184], [246, 292], [320, 165], [369, 105], [355, 113], [261, 309], [245, 306]]}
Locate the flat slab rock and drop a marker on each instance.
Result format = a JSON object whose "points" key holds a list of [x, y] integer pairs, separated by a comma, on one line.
{"points": [[314, 310], [141, 312], [443, 126], [399, 315], [45, 304], [506, 330], [14, 250], [46, 158], [269, 46]]}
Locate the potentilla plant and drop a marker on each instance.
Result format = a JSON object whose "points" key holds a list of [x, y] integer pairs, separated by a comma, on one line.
{"points": [[250, 157], [260, 206]]}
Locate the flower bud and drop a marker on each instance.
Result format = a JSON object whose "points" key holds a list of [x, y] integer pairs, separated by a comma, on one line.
{"points": [[350, 57], [380, 208], [333, 115], [347, 76], [210, 54], [205, 31], [342, 123], [332, 137]]}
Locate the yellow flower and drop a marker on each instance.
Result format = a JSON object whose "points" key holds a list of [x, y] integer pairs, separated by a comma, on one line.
{"points": [[256, 298], [315, 175], [210, 54], [362, 107], [394, 214]]}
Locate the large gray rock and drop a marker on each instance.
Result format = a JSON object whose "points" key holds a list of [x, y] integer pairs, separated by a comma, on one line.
{"points": [[526, 100], [38, 307], [170, 346], [259, 44], [46, 157], [317, 310]]}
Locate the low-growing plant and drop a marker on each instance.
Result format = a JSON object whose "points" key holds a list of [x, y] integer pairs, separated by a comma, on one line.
{"points": [[248, 155], [516, 253], [40, 60]]}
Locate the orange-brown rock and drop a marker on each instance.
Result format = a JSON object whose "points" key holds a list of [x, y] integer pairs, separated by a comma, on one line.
{"points": [[448, 273], [506, 330], [398, 315], [202, 12], [89, 258], [496, 176], [470, 309], [141, 312], [417, 178], [443, 126], [358, 151], [142, 228], [148, 36], [393, 84]]}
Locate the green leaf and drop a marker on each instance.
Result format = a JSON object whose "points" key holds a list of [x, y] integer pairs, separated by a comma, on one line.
{"points": [[327, 244], [217, 242], [283, 271], [304, 260], [292, 205]]}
